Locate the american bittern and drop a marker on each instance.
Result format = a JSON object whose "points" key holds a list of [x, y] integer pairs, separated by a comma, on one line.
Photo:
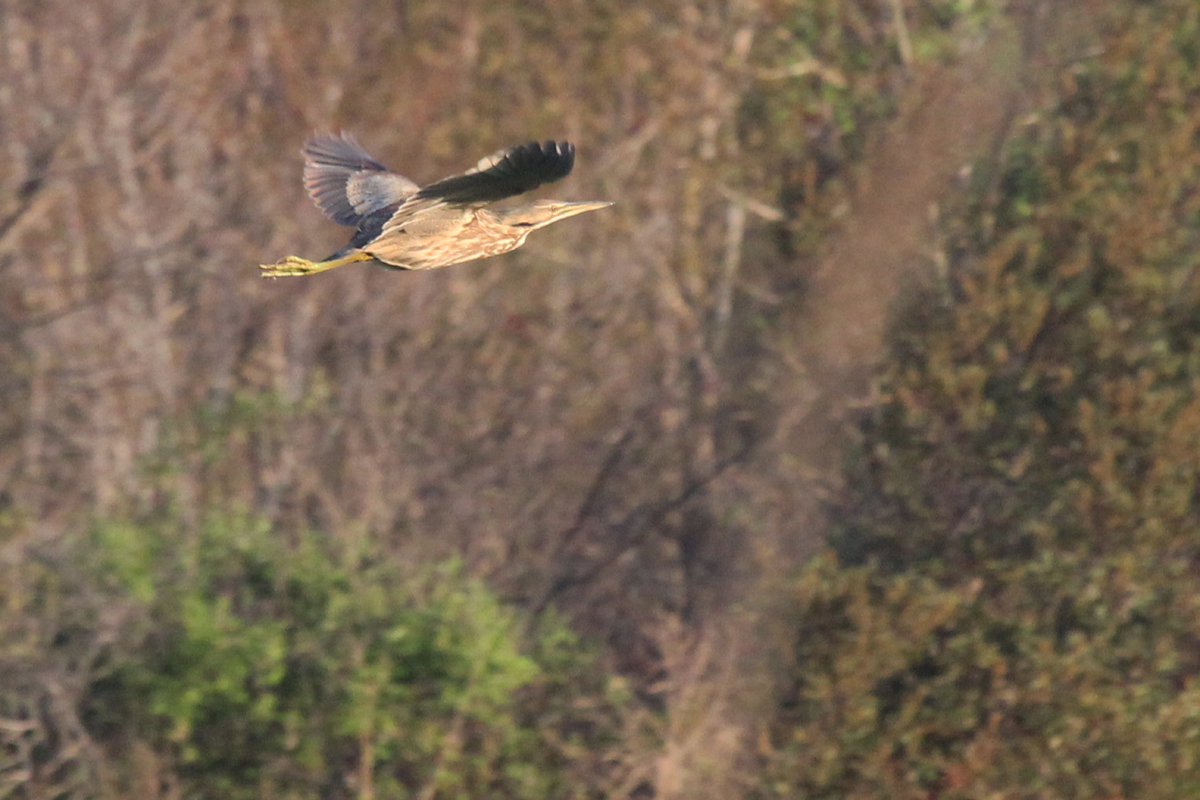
{"points": [[407, 227]]}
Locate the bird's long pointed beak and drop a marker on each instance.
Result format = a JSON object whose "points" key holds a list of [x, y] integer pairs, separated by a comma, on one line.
{"points": [[571, 209]]}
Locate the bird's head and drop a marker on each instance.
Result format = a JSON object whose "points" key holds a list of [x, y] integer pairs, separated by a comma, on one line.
{"points": [[541, 213]]}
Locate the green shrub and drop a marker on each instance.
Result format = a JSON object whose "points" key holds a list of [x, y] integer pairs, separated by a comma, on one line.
{"points": [[274, 669], [1065, 678]]}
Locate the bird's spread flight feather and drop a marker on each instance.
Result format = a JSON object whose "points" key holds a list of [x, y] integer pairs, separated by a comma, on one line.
{"points": [[507, 173], [346, 183]]}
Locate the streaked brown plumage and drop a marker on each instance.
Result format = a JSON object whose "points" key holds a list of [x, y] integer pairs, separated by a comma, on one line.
{"points": [[406, 227]]}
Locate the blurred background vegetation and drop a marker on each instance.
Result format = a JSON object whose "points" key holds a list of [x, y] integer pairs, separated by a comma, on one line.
{"points": [[854, 453]]}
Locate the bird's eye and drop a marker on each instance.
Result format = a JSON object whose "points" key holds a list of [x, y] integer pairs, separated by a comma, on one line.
{"points": [[522, 224]]}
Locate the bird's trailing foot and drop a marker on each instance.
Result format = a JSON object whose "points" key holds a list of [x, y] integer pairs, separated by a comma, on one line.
{"points": [[294, 265]]}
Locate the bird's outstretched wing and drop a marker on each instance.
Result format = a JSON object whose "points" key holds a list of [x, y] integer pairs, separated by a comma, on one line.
{"points": [[504, 174], [346, 183], [507, 173]]}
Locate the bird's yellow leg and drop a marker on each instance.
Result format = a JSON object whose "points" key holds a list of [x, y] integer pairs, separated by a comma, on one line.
{"points": [[294, 265]]}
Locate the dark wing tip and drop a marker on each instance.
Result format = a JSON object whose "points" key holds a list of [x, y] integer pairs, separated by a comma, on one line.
{"points": [[520, 169], [551, 161], [547, 162]]}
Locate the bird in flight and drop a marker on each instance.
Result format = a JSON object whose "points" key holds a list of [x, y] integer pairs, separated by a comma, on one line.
{"points": [[404, 226]]}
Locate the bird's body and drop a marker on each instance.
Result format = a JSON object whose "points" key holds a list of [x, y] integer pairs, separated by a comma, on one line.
{"points": [[447, 236], [404, 226]]}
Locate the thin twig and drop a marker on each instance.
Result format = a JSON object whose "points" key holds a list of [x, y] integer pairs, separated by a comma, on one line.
{"points": [[641, 521], [735, 230], [905, 42]]}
